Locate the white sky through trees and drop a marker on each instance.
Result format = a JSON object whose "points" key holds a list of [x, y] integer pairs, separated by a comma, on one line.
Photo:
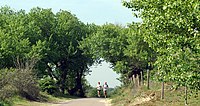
{"points": [[88, 11], [103, 73]]}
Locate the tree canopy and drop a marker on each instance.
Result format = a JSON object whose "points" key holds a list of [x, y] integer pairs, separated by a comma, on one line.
{"points": [[173, 32], [52, 40]]}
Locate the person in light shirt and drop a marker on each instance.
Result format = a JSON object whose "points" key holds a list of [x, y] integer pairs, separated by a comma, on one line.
{"points": [[98, 89], [105, 88]]}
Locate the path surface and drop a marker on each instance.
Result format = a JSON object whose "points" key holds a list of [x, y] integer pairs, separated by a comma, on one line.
{"points": [[86, 102]]}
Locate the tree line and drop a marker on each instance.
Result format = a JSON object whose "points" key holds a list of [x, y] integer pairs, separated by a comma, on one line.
{"points": [[166, 43], [46, 45]]}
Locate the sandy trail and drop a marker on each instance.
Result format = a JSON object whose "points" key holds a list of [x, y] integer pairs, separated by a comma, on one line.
{"points": [[85, 102]]}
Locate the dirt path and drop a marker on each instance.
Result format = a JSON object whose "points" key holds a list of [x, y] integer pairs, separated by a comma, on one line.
{"points": [[85, 102]]}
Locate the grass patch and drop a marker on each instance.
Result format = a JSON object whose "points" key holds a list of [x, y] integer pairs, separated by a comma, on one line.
{"points": [[44, 100], [122, 96]]}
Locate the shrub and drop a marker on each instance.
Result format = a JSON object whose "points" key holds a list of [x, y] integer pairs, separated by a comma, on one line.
{"points": [[18, 81], [92, 92], [26, 84], [48, 85], [7, 90]]}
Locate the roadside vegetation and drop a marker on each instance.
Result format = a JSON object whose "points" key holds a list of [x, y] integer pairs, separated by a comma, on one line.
{"points": [[44, 99], [130, 96]]}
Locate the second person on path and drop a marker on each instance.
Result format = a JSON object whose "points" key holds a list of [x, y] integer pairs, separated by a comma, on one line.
{"points": [[105, 88]]}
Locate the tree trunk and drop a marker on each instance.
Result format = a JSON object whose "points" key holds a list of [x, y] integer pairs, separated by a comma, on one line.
{"points": [[78, 89], [134, 80], [63, 80], [138, 80], [186, 102], [62, 65], [141, 72], [131, 80], [162, 90], [148, 78], [79, 84], [50, 73]]}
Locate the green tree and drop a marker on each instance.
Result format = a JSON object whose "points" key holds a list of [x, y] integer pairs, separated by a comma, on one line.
{"points": [[123, 47], [173, 28], [14, 42], [50, 40]]}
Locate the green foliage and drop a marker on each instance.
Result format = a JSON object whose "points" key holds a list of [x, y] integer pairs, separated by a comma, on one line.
{"points": [[106, 43], [123, 47], [15, 42], [92, 92], [46, 38], [173, 32], [48, 85]]}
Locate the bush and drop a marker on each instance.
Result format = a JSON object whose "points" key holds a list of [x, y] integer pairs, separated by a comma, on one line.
{"points": [[7, 90], [48, 85], [26, 84], [18, 81], [92, 92]]}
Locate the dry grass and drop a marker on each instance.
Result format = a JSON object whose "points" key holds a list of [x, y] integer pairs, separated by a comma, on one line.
{"points": [[45, 100], [127, 96]]}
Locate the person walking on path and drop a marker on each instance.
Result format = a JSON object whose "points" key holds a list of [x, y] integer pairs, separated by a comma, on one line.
{"points": [[105, 88], [98, 89]]}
